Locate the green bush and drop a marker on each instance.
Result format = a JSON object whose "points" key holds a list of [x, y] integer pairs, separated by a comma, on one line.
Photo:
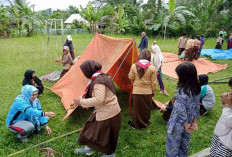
{"points": [[210, 32]]}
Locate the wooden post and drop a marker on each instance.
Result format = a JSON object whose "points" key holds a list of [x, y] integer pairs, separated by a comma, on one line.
{"points": [[45, 32], [48, 37], [62, 32], [55, 34]]}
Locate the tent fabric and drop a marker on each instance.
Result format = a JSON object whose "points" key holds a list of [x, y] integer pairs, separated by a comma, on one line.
{"points": [[217, 53], [52, 77], [203, 66], [108, 51]]}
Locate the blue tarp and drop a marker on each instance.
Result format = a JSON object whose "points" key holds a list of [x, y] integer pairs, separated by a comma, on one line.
{"points": [[217, 53]]}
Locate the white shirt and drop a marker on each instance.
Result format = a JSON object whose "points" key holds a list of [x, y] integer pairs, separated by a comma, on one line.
{"points": [[223, 129]]}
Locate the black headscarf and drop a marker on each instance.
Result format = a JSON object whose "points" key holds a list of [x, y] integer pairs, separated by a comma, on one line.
{"points": [[28, 80], [203, 79], [28, 77], [89, 67]]}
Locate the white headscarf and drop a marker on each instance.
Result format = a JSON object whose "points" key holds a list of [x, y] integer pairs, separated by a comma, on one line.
{"points": [[157, 57]]}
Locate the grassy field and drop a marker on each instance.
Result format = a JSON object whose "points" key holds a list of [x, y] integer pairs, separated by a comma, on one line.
{"points": [[19, 54]]}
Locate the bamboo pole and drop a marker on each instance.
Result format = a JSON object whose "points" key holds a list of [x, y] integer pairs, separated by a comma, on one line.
{"points": [[55, 34], [62, 32], [16, 153], [48, 38]]}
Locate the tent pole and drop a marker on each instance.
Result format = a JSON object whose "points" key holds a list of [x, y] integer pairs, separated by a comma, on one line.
{"points": [[131, 90], [122, 63]]}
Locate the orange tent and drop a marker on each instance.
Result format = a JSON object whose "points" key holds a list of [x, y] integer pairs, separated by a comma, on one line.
{"points": [[116, 56]]}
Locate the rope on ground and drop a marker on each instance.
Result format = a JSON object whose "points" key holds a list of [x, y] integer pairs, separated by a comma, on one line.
{"points": [[169, 81], [218, 80], [67, 134]]}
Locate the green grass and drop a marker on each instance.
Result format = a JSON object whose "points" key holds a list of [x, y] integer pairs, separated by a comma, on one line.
{"points": [[19, 54]]}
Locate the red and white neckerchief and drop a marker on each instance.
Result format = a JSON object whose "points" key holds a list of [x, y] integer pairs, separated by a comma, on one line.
{"points": [[92, 78], [143, 63]]}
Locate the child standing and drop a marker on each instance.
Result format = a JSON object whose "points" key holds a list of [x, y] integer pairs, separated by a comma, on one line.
{"points": [[189, 49], [100, 132], [219, 42], [157, 60], [181, 44], [66, 60], [185, 111], [143, 76], [222, 142], [196, 48]]}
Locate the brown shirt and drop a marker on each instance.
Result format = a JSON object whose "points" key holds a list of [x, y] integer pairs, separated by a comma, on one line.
{"points": [[145, 85], [197, 43], [67, 61], [190, 44], [182, 42], [104, 101]]}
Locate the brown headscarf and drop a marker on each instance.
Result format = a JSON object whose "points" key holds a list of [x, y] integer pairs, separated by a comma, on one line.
{"points": [[89, 67], [145, 54]]}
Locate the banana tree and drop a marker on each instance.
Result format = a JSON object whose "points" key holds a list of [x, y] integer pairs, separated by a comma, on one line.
{"points": [[4, 22], [92, 15], [121, 22], [168, 15]]}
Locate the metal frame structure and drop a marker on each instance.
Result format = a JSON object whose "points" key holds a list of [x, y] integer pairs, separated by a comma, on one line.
{"points": [[50, 23]]}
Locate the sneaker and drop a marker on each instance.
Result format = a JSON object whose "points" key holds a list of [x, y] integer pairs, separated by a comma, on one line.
{"points": [[131, 125], [22, 138], [86, 150], [112, 155]]}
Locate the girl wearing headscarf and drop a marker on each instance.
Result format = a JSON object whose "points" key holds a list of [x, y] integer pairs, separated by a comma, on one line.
{"points": [[66, 60], [100, 132], [25, 115], [143, 77], [31, 79], [157, 60], [207, 97]]}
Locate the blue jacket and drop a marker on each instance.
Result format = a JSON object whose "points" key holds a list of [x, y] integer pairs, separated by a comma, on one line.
{"points": [[24, 109], [143, 44]]}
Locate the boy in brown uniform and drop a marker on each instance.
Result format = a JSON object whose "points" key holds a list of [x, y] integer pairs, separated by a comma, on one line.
{"points": [[189, 49], [182, 43], [197, 45]]}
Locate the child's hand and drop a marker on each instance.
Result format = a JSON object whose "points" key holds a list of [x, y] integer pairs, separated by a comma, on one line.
{"points": [[163, 108], [226, 99], [57, 60], [187, 127], [194, 127]]}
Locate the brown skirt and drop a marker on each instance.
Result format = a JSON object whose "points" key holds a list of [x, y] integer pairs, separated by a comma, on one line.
{"points": [[101, 136], [142, 106], [196, 51]]}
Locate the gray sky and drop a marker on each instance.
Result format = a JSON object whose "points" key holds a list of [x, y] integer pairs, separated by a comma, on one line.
{"points": [[58, 4]]}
